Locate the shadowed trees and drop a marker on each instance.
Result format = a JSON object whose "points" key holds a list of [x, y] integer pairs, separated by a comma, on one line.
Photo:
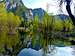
{"points": [[68, 8], [69, 11]]}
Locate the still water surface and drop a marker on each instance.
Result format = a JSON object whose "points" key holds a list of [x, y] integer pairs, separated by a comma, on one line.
{"points": [[59, 51]]}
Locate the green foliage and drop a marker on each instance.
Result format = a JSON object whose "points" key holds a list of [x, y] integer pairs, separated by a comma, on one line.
{"points": [[45, 32], [58, 26], [8, 28], [21, 9], [48, 31], [35, 30], [69, 25]]}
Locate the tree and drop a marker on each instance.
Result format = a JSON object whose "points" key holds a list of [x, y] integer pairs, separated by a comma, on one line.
{"points": [[3, 24], [58, 25], [68, 5], [8, 30]]}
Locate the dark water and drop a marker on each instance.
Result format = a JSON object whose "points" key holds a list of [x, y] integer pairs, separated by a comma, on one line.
{"points": [[58, 51]]}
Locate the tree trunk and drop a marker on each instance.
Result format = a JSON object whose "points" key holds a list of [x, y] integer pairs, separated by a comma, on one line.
{"points": [[69, 12]]}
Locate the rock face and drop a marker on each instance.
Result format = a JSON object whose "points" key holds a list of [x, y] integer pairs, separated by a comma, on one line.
{"points": [[38, 12], [31, 13], [62, 16], [18, 8], [13, 4]]}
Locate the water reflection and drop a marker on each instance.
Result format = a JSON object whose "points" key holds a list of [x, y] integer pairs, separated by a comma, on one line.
{"points": [[62, 51], [73, 50], [59, 51]]}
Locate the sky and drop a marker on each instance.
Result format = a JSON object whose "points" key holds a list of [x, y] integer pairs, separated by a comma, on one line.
{"points": [[52, 4]]}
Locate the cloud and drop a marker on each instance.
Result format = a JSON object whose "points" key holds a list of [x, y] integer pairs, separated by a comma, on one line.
{"points": [[53, 5], [43, 4]]}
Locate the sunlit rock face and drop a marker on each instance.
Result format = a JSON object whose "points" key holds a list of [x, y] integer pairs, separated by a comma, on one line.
{"points": [[10, 4], [18, 8], [31, 13], [58, 51], [15, 6]]}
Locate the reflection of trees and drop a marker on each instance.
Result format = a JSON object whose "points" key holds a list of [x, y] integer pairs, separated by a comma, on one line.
{"points": [[73, 50]]}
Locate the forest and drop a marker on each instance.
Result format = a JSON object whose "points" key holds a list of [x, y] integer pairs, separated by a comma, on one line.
{"points": [[16, 33]]}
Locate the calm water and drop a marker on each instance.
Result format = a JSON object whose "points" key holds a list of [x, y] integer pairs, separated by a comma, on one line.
{"points": [[58, 51]]}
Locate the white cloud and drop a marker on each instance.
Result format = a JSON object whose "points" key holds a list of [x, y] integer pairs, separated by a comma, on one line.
{"points": [[43, 4], [53, 6]]}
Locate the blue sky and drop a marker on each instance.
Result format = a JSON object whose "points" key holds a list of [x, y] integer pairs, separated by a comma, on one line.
{"points": [[53, 8], [34, 3], [41, 4], [28, 3]]}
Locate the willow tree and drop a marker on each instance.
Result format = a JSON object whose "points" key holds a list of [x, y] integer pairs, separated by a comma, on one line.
{"points": [[3, 23], [8, 29]]}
